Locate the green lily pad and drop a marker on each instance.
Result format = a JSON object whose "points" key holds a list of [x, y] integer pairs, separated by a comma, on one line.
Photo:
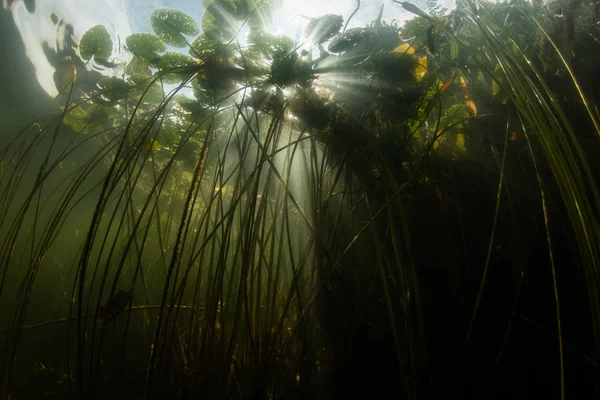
{"points": [[137, 66], [177, 66], [143, 85], [322, 29], [268, 44], [218, 23], [351, 38], [171, 25], [282, 68], [96, 42], [204, 47], [208, 3], [210, 91], [113, 88], [145, 46], [98, 114], [256, 58], [75, 119], [193, 107]]}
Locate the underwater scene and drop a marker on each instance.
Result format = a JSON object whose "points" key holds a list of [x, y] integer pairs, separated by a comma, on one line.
{"points": [[281, 199]]}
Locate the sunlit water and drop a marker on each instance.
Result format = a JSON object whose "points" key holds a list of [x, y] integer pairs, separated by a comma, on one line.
{"points": [[53, 27], [48, 28], [50, 21]]}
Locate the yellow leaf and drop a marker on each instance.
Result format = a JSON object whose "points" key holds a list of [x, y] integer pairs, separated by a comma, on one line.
{"points": [[155, 145], [421, 69], [517, 136], [404, 48], [471, 106], [460, 141], [469, 103]]}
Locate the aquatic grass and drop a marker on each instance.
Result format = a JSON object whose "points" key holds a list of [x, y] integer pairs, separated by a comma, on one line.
{"points": [[540, 109], [551, 139], [234, 228], [225, 222], [548, 126], [252, 262], [41, 242]]}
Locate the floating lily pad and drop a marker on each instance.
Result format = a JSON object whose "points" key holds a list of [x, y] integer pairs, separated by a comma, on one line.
{"points": [[177, 66], [170, 132], [193, 107], [97, 114], [204, 47], [282, 68], [96, 42], [137, 66], [171, 25], [75, 119], [322, 29], [145, 46], [64, 77], [208, 3], [113, 88], [218, 22], [269, 44], [210, 91], [143, 85], [350, 38], [264, 47]]}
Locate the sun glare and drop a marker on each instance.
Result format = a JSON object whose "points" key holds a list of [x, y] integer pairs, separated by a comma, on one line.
{"points": [[293, 15]]}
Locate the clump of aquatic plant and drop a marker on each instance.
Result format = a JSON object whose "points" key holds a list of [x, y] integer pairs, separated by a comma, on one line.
{"points": [[239, 219]]}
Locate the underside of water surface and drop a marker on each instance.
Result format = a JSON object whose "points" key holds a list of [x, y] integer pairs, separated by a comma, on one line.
{"points": [[246, 199]]}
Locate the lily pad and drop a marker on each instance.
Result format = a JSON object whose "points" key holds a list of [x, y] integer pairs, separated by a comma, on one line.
{"points": [[177, 66], [282, 68], [145, 46], [204, 47], [218, 23], [210, 91], [96, 42], [192, 106], [171, 25], [113, 88], [64, 77], [351, 38], [256, 58], [75, 119], [138, 67], [142, 85], [170, 132], [208, 3], [268, 44], [98, 114], [322, 29]]}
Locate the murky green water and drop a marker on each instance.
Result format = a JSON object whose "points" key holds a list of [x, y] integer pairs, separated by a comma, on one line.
{"points": [[247, 199]]}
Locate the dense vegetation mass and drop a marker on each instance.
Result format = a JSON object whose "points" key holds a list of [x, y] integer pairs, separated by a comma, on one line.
{"points": [[384, 210]]}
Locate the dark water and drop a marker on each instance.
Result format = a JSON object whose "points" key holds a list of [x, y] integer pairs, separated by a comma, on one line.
{"points": [[232, 272]]}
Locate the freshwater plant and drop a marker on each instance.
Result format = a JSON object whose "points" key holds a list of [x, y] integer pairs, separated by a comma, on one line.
{"points": [[404, 209]]}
